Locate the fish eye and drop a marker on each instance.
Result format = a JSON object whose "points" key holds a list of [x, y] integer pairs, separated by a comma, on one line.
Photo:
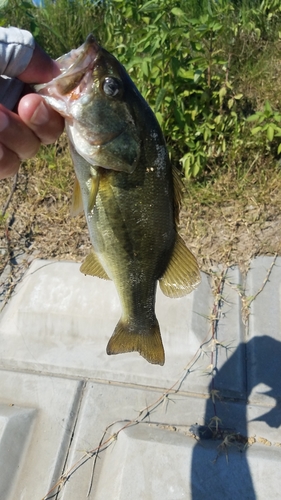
{"points": [[111, 86]]}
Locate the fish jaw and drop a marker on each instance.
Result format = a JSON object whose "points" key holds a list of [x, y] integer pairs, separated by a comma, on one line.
{"points": [[75, 67]]}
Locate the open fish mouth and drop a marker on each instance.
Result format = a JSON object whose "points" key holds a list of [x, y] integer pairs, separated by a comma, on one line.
{"points": [[89, 93], [74, 66], [74, 86]]}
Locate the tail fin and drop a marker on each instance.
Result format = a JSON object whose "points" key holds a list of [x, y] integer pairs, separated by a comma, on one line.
{"points": [[148, 342]]}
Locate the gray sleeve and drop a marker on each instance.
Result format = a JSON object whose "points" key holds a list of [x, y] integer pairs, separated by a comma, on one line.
{"points": [[16, 49], [10, 91]]}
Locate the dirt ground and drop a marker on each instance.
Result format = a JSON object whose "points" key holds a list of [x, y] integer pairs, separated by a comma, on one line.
{"points": [[222, 223]]}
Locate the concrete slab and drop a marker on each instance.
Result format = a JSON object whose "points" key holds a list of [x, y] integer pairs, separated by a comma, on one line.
{"points": [[217, 438], [264, 342], [162, 458], [229, 374], [60, 321], [37, 417], [142, 463]]}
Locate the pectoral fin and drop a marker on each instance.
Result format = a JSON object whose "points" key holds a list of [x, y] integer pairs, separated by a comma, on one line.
{"points": [[94, 182], [182, 274], [147, 343], [77, 204], [93, 267]]}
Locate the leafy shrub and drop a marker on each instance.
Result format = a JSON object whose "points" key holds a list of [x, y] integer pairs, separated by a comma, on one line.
{"points": [[187, 58]]}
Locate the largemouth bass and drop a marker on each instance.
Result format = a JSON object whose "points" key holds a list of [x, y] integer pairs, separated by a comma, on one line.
{"points": [[128, 191]]}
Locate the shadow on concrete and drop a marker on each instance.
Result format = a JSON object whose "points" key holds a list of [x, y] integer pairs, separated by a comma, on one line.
{"points": [[220, 468]]}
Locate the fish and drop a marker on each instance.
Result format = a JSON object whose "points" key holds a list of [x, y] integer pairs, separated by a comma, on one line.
{"points": [[128, 189]]}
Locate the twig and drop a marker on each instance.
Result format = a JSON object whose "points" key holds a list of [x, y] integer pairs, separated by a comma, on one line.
{"points": [[247, 301], [14, 185], [215, 315], [266, 279]]}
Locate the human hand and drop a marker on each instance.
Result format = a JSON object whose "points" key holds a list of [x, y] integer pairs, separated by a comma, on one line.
{"points": [[34, 122]]}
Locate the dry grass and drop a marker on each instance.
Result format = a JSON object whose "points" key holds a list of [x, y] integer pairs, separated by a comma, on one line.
{"points": [[228, 220], [38, 216], [233, 219]]}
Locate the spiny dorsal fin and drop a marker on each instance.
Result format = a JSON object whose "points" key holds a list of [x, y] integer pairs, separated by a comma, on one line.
{"points": [[93, 267], [178, 187], [182, 274], [147, 343], [77, 204]]}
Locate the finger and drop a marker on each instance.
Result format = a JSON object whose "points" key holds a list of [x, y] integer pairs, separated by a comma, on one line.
{"points": [[9, 162], [46, 123], [41, 68], [16, 136]]}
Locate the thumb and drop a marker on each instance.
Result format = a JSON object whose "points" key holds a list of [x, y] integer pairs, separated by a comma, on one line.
{"points": [[41, 68]]}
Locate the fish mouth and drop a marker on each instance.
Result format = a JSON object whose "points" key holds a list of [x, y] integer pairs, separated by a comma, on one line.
{"points": [[73, 66]]}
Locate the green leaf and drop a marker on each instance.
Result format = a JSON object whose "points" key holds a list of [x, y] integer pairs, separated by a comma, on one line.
{"points": [[279, 149], [159, 117], [267, 106], [253, 118], [196, 169], [149, 7], [145, 68], [230, 103], [159, 99], [178, 12], [184, 73], [255, 130], [222, 92], [197, 75], [238, 96], [270, 133]]}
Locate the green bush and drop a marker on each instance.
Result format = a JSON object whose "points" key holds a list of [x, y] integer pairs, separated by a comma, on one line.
{"points": [[188, 59]]}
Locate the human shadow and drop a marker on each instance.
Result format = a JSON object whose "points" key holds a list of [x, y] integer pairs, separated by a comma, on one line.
{"points": [[220, 468]]}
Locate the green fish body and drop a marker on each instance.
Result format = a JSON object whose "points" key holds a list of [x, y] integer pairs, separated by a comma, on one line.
{"points": [[129, 193]]}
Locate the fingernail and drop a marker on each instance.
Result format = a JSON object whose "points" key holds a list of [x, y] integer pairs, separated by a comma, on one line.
{"points": [[40, 115], [4, 121]]}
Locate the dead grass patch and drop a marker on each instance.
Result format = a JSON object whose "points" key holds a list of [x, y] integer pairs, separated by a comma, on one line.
{"points": [[226, 220]]}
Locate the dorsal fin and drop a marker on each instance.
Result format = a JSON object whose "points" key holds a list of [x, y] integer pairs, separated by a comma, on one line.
{"points": [[93, 267], [178, 188], [77, 204], [182, 274]]}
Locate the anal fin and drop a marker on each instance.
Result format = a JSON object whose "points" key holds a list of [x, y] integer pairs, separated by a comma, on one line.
{"points": [[93, 267], [147, 343], [182, 274]]}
